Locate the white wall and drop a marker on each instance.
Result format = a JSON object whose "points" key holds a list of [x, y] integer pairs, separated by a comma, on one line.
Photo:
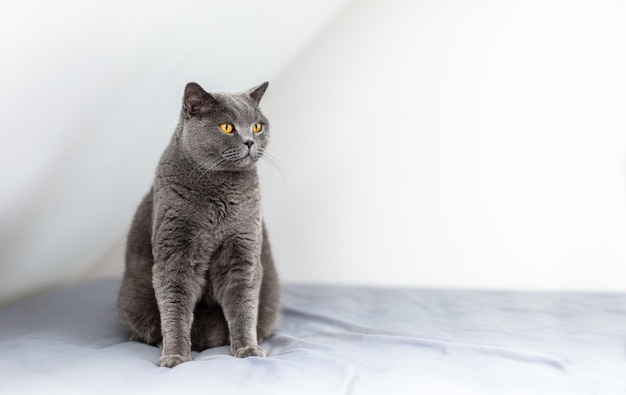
{"points": [[455, 144], [423, 143]]}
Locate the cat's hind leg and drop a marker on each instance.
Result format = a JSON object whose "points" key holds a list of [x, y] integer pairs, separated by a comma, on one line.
{"points": [[138, 309], [136, 303]]}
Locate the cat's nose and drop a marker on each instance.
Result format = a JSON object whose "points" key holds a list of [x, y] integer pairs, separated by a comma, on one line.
{"points": [[249, 143]]}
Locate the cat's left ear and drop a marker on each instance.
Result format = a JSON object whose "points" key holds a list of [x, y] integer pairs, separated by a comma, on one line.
{"points": [[196, 100], [257, 92]]}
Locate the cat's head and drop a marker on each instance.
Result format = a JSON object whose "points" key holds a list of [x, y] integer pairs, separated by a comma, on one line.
{"points": [[223, 131]]}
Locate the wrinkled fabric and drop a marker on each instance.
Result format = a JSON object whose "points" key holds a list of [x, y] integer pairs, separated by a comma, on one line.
{"points": [[333, 340]]}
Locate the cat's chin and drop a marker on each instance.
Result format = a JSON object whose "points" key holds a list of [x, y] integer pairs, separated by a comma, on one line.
{"points": [[245, 162]]}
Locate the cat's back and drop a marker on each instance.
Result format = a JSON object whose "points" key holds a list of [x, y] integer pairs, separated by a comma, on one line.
{"points": [[139, 242]]}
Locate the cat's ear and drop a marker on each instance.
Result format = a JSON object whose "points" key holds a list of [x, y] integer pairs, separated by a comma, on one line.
{"points": [[257, 92], [196, 100]]}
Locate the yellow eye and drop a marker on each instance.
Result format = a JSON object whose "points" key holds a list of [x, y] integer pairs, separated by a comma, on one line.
{"points": [[257, 127], [226, 127]]}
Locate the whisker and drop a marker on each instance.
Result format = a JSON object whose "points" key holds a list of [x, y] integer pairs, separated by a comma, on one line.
{"points": [[211, 165], [271, 159]]}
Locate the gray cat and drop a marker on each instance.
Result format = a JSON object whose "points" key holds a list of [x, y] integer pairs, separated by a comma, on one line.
{"points": [[199, 270]]}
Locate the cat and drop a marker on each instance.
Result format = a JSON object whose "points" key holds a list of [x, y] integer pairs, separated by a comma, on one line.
{"points": [[199, 269]]}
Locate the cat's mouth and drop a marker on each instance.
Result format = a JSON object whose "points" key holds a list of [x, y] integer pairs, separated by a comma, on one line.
{"points": [[240, 160], [245, 161]]}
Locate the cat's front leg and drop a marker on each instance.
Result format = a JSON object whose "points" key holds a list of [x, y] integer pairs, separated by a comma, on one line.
{"points": [[177, 291], [239, 275]]}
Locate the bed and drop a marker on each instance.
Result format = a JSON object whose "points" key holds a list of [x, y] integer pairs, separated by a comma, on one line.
{"points": [[333, 340]]}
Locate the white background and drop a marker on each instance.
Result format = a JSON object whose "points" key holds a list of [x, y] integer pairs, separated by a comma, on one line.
{"points": [[422, 143]]}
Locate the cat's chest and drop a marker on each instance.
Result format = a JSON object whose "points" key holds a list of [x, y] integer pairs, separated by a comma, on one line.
{"points": [[228, 211], [223, 204]]}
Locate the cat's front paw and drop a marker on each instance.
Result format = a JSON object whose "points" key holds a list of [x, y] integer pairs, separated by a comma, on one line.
{"points": [[249, 351], [169, 361]]}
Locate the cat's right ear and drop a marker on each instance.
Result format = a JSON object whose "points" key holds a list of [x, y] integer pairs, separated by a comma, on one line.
{"points": [[196, 100]]}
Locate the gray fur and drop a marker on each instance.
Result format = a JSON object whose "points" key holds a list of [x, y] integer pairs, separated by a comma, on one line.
{"points": [[199, 270]]}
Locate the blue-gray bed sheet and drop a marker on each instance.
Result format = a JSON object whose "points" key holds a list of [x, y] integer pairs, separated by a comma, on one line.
{"points": [[333, 340]]}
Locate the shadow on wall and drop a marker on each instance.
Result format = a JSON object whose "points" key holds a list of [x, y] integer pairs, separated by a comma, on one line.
{"points": [[90, 98]]}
